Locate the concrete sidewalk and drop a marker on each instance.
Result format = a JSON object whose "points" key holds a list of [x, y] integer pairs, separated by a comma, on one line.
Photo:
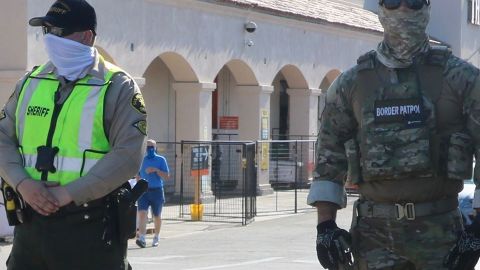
{"points": [[272, 206]]}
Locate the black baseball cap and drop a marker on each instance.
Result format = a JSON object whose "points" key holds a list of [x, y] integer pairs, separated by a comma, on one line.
{"points": [[74, 15]]}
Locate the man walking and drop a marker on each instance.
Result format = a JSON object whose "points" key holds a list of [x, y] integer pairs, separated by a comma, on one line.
{"points": [[155, 170]]}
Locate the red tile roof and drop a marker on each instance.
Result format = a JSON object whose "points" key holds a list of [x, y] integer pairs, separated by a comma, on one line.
{"points": [[316, 11]]}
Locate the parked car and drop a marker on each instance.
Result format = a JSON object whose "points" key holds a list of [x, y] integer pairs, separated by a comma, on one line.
{"points": [[465, 201]]}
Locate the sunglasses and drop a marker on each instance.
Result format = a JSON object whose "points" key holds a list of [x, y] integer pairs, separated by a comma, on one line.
{"points": [[56, 31], [411, 4]]}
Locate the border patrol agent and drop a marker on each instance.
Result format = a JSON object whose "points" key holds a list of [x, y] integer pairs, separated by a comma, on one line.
{"points": [[72, 132], [403, 125]]}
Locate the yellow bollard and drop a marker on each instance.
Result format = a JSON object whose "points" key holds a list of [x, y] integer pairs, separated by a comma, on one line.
{"points": [[196, 211]]}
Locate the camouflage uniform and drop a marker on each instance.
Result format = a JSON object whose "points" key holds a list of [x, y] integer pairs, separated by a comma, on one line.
{"points": [[404, 245], [404, 129]]}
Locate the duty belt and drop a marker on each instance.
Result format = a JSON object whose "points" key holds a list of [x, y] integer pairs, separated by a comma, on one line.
{"points": [[409, 211], [92, 209]]}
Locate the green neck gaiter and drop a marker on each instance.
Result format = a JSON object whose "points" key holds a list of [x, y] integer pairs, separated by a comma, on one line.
{"points": [[404, 35]]}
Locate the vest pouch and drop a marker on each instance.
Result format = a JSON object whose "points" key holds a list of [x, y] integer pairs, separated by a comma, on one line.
{"points": [[45, 158], [394, 152], [460, 156], [354, 174]]}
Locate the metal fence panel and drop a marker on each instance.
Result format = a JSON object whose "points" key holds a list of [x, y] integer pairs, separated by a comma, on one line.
{"points": [[228, 183], [291, 165], [216, 175]]}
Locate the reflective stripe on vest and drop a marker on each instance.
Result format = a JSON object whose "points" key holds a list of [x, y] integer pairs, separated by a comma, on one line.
{"points": [[66, 163], [78, 131]]}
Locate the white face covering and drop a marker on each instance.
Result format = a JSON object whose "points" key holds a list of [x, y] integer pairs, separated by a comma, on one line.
{"points": [[71, 58]]}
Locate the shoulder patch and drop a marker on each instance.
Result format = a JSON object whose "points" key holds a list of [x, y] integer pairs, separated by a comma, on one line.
{"points": [[141, 126], [138, 103], [2, 114]]}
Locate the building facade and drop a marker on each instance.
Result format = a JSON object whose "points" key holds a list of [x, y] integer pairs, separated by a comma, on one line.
{"points": [[198, 62], [254, 69], [182, 52]]}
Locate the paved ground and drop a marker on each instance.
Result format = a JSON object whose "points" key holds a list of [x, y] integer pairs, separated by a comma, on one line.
{"points": [[275, 240], [272, 242]]}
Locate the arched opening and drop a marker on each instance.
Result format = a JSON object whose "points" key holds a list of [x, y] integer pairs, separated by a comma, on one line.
{"points": [[226, 110], [327, 81], [279, 108], [287, 122], [289, 77], [160, 101], [233, 118], [160, 97], [179, 68]]}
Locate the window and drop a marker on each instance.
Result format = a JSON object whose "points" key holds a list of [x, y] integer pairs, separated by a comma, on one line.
{"points": [[474, 12]]}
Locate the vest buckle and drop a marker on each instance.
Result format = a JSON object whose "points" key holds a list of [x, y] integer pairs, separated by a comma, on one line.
{"points": [[406, 211]]}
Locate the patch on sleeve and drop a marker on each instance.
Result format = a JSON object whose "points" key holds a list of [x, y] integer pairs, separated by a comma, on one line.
{"points": [[2, 114], [141, 126], [138, 103]]}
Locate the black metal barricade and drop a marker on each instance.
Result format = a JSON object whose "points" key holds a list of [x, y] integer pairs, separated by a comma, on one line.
{"points": [[216, 181], [211, 181]]}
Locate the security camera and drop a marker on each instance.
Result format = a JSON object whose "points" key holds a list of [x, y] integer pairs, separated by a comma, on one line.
{"points": [[250, 27]]}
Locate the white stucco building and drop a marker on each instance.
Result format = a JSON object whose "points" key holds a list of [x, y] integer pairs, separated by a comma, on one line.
{"points": [[198, 66], [196, 62], [189, 55]]}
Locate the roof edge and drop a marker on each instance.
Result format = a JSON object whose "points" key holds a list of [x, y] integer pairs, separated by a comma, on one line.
{"points": [[288, 15]]}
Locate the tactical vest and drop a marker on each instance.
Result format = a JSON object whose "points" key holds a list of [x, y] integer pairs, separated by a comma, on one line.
{"points": [[398, 135], [62, 142]]}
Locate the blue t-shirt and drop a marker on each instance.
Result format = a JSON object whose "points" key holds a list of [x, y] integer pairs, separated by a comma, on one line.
{"points": [[154, 180]]}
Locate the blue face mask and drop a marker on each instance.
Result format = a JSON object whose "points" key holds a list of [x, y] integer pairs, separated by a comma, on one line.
{"points": [[150, 151]]}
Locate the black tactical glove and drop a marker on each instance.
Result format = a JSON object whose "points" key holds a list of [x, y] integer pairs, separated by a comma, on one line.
{"points": [[333, 246], [465, 253]]}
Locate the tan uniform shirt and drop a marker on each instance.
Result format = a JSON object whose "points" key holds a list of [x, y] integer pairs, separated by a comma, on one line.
{"points": [[121, 121]]}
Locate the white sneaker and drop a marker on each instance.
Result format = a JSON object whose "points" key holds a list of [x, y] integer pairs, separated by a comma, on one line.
{"points": [[155, 241]]}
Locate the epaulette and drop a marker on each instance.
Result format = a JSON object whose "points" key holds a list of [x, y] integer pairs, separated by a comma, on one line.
{"points": [[366, 61], [33, 69], [29, 74], [438, 55]]}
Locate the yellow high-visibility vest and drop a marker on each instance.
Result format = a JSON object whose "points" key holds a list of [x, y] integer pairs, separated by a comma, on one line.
{"points": [[75, 127]]}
